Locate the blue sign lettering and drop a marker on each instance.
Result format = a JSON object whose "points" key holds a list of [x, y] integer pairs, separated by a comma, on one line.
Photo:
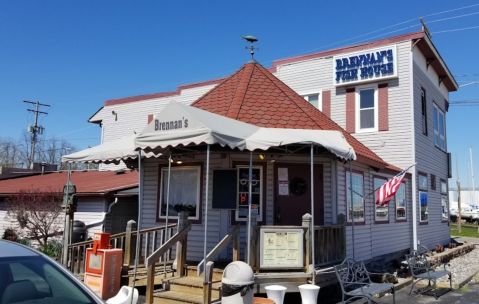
{"points": [[365, 66]]}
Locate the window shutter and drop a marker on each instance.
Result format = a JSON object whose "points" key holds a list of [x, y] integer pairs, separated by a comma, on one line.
{"points": [[150, 118], [326, 103], [383, 111], [350, 110]]}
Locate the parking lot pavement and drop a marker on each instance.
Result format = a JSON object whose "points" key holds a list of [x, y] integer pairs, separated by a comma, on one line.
{"points": [[469, 295]]}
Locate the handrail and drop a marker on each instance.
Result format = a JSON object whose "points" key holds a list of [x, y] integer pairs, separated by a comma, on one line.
{"points": [[121, 234], [166, 246], [219, 247]]}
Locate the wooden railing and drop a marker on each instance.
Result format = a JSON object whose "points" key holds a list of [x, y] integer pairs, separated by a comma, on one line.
{"points": [[222, 245], [150, 239], [330, 244], [180, 240]]}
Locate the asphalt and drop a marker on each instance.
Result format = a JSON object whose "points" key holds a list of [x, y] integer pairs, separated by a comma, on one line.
{"points": [[461, 239]]}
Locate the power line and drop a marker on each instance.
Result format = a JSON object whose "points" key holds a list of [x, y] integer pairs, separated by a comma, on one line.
{"points": [[455, 30], [461, 16]]}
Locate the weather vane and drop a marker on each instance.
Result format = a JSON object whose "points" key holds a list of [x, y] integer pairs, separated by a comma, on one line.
{"points": [[251, 39]]}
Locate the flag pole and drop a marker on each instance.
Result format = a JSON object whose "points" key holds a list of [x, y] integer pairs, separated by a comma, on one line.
{"points": [[351, 207]]}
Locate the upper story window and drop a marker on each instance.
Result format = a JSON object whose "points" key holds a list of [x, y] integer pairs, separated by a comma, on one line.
{"points": [[424, 111], [439, 128], [358, 192], [184, 192], [366, 109], [382, 212], [314, 99]]}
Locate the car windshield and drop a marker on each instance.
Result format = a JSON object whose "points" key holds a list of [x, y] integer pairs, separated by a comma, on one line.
{"points": [[37, 280]]}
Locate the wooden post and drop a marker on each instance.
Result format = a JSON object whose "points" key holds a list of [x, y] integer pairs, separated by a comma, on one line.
{"points": [[150, 283], [307, 242], [236, 248], [341, 219], [181, 245], [207, 286], [130, 242]]}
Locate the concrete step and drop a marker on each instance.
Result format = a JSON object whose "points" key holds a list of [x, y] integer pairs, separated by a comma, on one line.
{"points": [[176, 297], [192, 285]]}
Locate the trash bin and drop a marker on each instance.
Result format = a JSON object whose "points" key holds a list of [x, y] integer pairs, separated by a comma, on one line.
{"points": [[79, 232], [237, 284]]}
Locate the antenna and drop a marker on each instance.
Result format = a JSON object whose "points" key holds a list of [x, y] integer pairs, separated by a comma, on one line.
{"points": [[425, 29], [251, 39]]}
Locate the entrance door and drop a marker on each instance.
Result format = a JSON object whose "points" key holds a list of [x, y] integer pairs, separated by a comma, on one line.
{"points": [[293, 193]]}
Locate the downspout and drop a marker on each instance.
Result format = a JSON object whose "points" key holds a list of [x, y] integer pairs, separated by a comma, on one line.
{"points": [[100, 222], [413, 156]]}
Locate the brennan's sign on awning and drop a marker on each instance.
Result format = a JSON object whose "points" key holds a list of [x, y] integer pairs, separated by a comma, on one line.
{"points": [[364, 66]]}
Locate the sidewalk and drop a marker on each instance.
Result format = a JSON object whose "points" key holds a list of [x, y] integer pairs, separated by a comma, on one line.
{"points": [[462, 239]]}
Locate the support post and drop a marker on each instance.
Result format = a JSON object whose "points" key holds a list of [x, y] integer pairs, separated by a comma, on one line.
{"points": [[150, 283], [208, 284], [181, 245], [254, 242], [130, 241], [307, 242], [236, 248]]}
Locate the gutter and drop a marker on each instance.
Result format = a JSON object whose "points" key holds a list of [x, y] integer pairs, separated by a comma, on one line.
{"points": [[100, 222]]}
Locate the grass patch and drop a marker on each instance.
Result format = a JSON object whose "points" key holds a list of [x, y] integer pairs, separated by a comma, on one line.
{"points": [[464, 288], [467, 230]]}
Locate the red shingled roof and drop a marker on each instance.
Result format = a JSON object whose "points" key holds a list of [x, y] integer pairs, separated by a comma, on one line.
{"points": [[98, 182], [254, 95]]}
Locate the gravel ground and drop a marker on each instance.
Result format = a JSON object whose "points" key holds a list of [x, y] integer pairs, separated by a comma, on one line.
{"points": [[463, 267]]}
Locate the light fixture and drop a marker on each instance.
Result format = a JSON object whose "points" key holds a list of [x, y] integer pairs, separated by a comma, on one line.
{"points": [[261, 156], [179, 161], [171, 160]]}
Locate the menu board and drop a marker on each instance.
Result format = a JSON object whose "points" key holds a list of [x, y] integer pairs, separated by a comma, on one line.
{"points": [[281, 248]]}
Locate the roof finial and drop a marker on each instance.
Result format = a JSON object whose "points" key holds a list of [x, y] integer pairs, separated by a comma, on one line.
{"points": [[251, 39]]}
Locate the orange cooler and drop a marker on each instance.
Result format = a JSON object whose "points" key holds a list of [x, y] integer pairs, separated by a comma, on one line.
{"points": [[103, 271]]}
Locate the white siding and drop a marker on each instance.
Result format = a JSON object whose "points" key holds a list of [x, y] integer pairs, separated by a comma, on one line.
{"points": [[394, 145]]}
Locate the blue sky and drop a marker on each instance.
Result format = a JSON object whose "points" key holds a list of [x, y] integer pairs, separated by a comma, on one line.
{"points": [[74, 55]]}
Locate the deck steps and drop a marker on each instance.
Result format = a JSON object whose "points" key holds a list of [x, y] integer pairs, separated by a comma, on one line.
{"points": [[189, 289]]}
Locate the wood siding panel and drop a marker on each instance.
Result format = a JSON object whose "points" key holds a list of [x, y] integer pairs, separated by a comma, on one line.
{"points": [[430, 159], [326, 102], [383, 108], [350, 110]]}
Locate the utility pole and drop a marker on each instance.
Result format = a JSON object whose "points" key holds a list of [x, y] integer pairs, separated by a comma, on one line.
{"points": [[35, 129]]}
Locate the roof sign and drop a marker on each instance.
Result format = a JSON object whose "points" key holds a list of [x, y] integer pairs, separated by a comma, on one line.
{"points": [[364, 66]]}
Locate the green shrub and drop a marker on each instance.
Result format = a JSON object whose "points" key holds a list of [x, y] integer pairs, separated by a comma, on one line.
{"points": [[26, 242], [52, 248]]}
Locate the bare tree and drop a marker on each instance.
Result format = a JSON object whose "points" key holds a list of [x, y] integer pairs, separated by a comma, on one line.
{"points": [[37, 212]]}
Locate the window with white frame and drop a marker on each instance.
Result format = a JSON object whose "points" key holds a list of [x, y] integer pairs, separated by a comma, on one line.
{"points": [[243, 193], [423, 206], [422, 180], [382, 212], [184, 192], [367, 109], [358, 192], [444, 208], [314, 99], [400, 199], [439, 128]]}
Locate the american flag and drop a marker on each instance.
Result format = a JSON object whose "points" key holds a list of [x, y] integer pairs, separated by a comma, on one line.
{"points": [[387, 191]]}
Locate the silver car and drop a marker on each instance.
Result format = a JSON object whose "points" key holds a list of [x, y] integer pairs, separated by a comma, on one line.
{"points": [[28, 276]]}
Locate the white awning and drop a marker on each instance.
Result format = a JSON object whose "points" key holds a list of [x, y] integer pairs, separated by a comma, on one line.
{"points": [[109, 152], [181, 125]]}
